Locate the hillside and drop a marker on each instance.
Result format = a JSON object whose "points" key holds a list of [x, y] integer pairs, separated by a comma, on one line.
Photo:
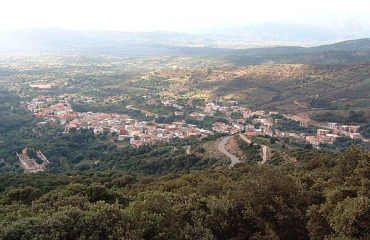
{"points": [[327, 197], [55, 40], [351, 45], [343, 52], [266, 86], [358, 45], [274, 85], [294, 33], [326, 57]]}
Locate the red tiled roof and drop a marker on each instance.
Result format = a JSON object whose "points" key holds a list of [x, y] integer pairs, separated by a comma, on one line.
{"points": [[250, 133]]}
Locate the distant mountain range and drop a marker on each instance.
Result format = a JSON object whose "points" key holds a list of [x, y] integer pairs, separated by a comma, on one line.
{"points": [[54, 40], [350, 45], [296, 33]]}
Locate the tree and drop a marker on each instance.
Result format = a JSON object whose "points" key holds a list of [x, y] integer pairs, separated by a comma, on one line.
{"points": [[25, 195], [31, 153]]}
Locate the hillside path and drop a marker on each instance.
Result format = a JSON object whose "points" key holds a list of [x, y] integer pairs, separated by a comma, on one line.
{"points": [[143, 111], [264, 148]]}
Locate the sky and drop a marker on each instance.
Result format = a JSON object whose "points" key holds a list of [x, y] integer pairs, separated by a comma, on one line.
{"points": [[176, 15]]}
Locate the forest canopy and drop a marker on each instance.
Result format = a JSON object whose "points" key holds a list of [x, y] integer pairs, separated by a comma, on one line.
{"points": [[328, 198]]}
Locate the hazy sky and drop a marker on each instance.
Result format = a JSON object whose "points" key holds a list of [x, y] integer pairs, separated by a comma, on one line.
{"points": [[180, 15]]}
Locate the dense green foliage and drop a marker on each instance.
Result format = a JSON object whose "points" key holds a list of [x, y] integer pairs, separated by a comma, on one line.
{"points": [[290, 125], [11, 115], [365, 130], [352, 118], [343, 143], [327, 198], [251, 151], [327, 117], [319, 103], [161, 158], [81, 149], [15, 124]]}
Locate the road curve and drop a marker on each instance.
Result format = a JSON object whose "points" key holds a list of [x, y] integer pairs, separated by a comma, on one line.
{"points": [[221, 148]]}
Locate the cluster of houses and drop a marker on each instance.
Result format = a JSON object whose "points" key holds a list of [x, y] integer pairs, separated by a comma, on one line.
{"points": [[266, 123], [259, 117], [344, 128], [323, 136], [172, 103], [132, 130], [59, 111], [52, 110], [326, 136]]}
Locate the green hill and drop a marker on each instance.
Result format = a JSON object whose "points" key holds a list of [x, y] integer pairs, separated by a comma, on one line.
{"points": [[271, 86]]}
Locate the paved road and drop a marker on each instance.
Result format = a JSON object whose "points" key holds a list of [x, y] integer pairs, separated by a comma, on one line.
{"points": [[221, 148]]}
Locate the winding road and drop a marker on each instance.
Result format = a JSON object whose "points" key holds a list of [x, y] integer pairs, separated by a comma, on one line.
{"points": [[221, 148]]}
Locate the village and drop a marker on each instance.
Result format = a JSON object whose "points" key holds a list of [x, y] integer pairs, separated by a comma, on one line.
{"points": [[126, 128], [59, 111]]}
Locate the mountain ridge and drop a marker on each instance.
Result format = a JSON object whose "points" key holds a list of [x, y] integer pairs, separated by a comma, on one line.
{"points": [[55, 40]]}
